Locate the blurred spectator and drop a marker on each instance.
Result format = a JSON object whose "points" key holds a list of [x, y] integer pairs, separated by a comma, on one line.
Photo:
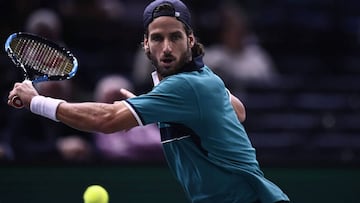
{"points": [[139, 144], [113, 9], [92, 9], [46, 23], [238, 58]]}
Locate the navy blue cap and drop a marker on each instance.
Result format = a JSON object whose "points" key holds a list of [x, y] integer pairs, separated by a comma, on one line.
{"points": [[181, 12]]}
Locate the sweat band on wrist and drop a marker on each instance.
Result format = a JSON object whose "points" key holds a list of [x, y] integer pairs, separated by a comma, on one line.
{"points": [[45, 106]]}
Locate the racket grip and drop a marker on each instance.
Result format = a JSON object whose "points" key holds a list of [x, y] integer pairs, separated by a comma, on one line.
{"points": [[17, 103]]}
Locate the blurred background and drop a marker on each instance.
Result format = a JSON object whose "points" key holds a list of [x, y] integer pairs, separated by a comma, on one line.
{"points": [[294, 64]]}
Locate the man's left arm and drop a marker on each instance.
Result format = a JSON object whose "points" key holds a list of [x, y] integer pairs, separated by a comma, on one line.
{"points": [[238, 107]]}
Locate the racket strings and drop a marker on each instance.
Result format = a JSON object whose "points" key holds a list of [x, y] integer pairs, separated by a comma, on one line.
{"points": [[41, 57]]}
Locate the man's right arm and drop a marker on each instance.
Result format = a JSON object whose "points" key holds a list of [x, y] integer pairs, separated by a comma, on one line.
{"points": [[96, 117], [88, 116]]}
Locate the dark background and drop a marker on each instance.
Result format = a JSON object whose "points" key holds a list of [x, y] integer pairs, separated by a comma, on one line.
{"points": [[305, 126]]}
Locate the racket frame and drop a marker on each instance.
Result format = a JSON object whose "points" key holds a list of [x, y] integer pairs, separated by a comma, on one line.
{"points": [[40, 77]]}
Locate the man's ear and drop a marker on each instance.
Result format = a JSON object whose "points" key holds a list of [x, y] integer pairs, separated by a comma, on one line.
{"points": [[192, 40], [146, 44]]}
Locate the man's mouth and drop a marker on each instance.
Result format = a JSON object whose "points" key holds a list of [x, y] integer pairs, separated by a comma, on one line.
{"points": [[167, 61]]}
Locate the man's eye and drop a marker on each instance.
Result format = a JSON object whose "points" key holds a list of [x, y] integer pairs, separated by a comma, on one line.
{"points": [[156, 38], [175, 37]]}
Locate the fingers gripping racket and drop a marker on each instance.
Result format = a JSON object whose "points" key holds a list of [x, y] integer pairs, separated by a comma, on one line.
{"points": [[40, 59]]}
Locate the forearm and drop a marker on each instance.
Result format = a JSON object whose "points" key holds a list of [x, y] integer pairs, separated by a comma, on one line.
{"points": [[96, 117]]}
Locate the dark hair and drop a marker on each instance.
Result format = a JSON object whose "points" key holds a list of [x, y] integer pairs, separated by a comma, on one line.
{"points": [[197, 49]]}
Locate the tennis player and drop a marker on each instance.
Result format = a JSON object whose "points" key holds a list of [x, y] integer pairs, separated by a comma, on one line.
{"points": [[204, 142]]}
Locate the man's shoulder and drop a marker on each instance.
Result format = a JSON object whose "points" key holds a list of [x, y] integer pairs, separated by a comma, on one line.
{"points": [[205, 71], [190, 79]]}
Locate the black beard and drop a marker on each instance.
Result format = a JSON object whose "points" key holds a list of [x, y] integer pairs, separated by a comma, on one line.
{"points": [[164, 72]]}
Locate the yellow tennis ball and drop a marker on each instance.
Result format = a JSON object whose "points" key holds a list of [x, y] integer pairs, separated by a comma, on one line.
{"points": [[96, 194]]}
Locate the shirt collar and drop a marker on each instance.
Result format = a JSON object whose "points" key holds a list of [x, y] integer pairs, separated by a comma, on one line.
{"points": [[194, 65]]}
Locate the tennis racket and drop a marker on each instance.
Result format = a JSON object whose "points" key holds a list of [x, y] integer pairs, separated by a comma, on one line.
{"points": [[39, 59]]}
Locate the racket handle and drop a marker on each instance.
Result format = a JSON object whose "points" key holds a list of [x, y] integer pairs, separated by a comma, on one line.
{"points": [[17, 103]]}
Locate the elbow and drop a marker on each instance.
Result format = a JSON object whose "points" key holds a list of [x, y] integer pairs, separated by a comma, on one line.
{"points": [[101, 124], [239, 108], [110, 124], [104, 126], [113, 120], [104, 131], [242, 116], [241, 112]]}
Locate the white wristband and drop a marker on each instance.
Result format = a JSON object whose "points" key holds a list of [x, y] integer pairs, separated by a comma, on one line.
{"points": [[45, 106]]}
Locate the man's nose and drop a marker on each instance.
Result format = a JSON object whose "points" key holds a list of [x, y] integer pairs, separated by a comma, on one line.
{"points": [[167, 46]]}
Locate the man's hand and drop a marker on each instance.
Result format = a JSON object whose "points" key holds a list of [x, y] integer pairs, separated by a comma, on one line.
{"points": [[126, 93], [25, 91]]}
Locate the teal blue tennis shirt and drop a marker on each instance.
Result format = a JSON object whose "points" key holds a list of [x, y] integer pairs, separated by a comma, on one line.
{"points": [[205, 145]]}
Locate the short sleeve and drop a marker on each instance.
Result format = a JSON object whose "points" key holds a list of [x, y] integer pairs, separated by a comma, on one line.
{"points": [[172, 100]]}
